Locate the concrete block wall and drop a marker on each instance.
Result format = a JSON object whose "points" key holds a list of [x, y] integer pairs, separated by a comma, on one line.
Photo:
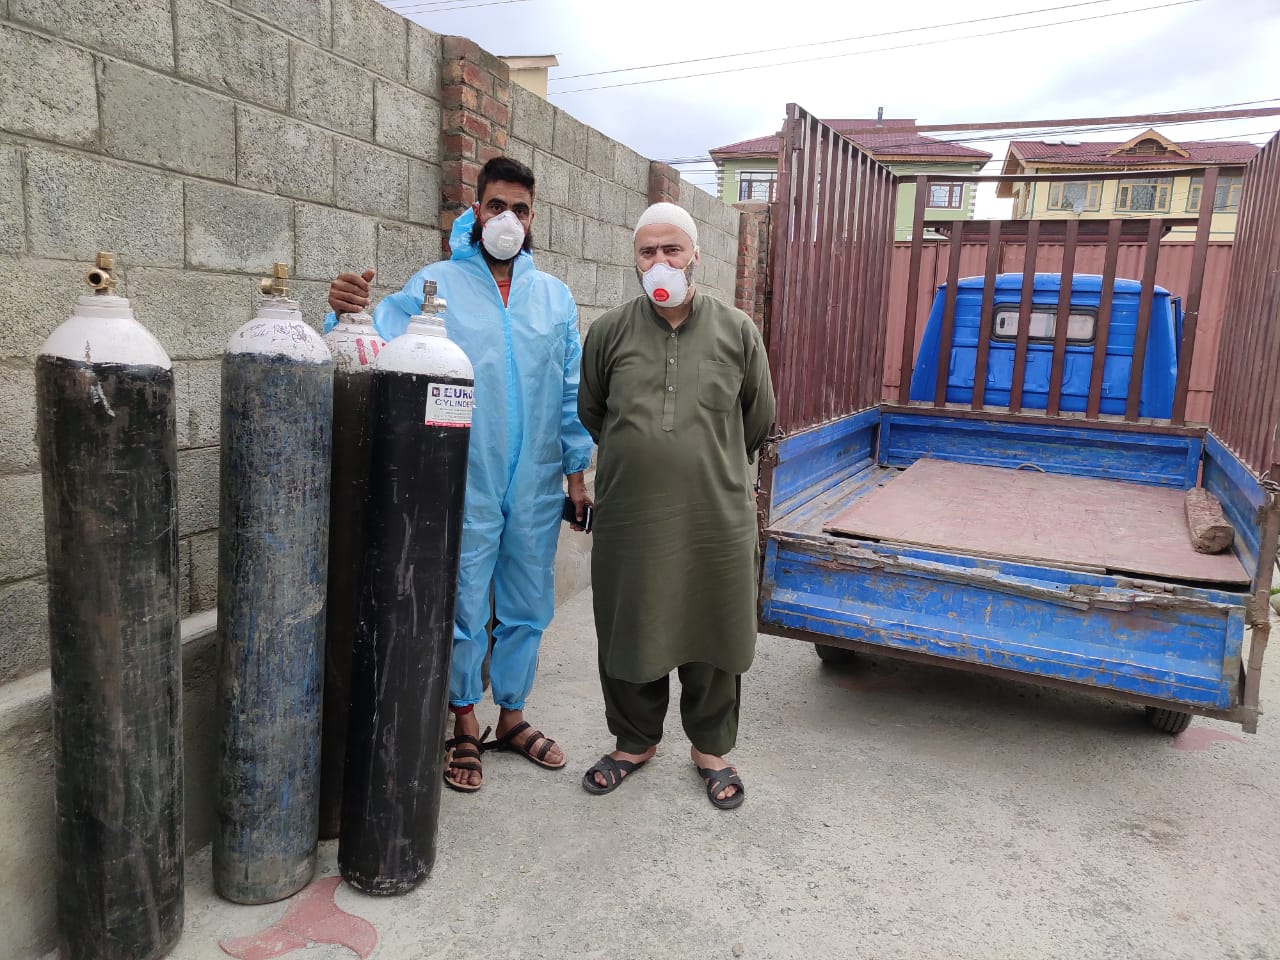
{"points": [[201, 141]]}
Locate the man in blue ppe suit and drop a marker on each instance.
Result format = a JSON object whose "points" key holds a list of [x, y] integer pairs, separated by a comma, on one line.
{"points": [[519, 328]]}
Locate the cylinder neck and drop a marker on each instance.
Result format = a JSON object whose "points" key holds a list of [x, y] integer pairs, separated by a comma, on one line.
{"points": [[427, 325], [353, 321]]}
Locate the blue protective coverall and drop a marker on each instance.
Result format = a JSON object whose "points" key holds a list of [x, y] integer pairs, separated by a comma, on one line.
{"points": [[525, 436]]}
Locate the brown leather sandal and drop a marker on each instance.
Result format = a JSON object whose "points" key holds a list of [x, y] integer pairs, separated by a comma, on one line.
{"points": [[463, 753], [506, 742]]}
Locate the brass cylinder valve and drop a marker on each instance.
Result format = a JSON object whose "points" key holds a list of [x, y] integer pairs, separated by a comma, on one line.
{"points": [[100, 277], [431, 304], [276, 285]]}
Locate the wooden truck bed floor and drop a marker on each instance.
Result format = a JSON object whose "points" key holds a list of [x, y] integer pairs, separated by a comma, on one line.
{"points": [[1099, 526]]}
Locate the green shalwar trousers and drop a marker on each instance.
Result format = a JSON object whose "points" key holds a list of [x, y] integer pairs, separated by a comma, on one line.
{"points": [[709, 701]]}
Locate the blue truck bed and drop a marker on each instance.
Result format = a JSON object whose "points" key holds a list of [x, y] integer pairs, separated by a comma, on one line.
{"points": [[1165, 643]]}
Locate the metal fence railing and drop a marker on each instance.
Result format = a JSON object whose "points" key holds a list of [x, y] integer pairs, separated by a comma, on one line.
{"points": [[830, 250], [1246, 402], [1068, 236]]}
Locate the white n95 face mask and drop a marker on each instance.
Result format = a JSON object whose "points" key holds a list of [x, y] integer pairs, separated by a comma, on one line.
{"points": [[503, 235], [666, 286]]}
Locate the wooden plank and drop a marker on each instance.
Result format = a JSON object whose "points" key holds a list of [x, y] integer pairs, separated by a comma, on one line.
{"points": [[987, 315], [1143, 331], [1039, 517], [1024, 318], [1062, 319], [1195, 288], [947, 333], [1102, 331]]}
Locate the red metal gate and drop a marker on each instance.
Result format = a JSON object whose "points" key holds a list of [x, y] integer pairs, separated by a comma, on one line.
{"points": [[830, 252]]}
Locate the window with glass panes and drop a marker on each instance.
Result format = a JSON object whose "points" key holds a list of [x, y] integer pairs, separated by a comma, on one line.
{"points": [[946, 196], [1144, 196], [1075, 196], [757, 185], [1226, 197]]}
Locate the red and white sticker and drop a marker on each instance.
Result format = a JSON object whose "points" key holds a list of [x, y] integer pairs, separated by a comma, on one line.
{"points": [[369, 353], [449, 404]]}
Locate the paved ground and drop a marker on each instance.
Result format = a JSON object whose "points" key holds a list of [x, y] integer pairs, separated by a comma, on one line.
{"points": [[893, 811]]}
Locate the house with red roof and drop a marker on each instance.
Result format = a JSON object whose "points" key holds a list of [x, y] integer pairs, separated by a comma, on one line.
{"points": [[1165, 193], [749, 169]]}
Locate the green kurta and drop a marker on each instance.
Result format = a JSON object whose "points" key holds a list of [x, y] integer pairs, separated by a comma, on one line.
{"points": [[679, 416]]}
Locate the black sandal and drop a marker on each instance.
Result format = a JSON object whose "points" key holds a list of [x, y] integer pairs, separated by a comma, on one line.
{"points": [[717, 780], [613, 771], [463, 753], [504, 742]]}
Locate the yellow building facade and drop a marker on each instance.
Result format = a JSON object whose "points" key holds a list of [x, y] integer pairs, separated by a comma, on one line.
{"points": [[1162, 194]]}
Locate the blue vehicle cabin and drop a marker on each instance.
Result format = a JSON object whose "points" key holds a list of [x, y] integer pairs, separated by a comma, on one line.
{"points": [[1159, 372]]}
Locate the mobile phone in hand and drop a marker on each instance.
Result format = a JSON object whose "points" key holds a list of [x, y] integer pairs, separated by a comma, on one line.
{"points": [[571, 514]]}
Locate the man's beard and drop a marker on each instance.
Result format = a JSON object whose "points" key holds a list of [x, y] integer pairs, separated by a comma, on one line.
{"points": [[477, 236]]}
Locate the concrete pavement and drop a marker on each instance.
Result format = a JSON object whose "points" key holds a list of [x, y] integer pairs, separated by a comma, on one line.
{"points": [[893, 811]]}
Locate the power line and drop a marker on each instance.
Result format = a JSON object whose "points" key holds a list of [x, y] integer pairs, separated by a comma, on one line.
{"points": [[860, 53], [821, 43], [1166, 116], [422, 7], [398, 4], [720, 174], [1060, 130]]}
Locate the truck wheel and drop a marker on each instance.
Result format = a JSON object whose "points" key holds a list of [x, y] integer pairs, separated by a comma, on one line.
{"points": [[830, 654], [1168, 721]]}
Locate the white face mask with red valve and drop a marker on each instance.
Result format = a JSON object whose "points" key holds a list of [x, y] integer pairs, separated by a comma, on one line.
{"points": [[503, 235], [666, 286]]}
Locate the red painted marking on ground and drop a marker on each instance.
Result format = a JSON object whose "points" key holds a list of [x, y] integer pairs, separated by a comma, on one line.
{"points": [[1200, 738], [312, 918]]}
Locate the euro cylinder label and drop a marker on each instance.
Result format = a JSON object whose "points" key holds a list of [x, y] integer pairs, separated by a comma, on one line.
{"points": [[449, 405]]}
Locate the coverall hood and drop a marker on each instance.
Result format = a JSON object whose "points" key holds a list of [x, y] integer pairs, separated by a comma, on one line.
{"points": [[461, 246]]}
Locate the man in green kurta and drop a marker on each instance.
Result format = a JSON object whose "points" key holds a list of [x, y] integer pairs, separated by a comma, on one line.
{"points": [[675, 389]]}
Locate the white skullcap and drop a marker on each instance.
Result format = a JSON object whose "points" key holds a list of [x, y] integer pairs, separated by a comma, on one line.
{"points": [[668, 213]]}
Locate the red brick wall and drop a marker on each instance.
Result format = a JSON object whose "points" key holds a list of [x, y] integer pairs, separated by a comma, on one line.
{"points": [[476, 117], [664, 183], [476, 102], [753, 258]]}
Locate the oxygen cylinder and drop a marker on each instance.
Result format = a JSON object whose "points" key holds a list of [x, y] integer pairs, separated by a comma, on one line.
{"points": [[277, 408], [422, 398], [106, 419], [355, 345]]}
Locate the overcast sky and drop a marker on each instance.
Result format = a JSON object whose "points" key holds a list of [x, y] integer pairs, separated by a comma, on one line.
{"points": [[1162, 56]]}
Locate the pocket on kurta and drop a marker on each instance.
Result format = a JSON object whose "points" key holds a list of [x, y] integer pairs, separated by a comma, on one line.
{"points": [[718, 385]]}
